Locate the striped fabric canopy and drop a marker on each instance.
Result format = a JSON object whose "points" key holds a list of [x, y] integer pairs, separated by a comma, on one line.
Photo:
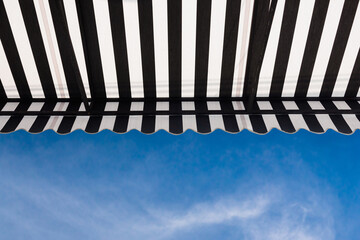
{"points": [[179, 64]]}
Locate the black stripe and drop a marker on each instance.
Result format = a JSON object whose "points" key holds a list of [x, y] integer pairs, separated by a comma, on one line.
{"points": [[202, 121], [338, 120], [202, 47], [65, 47], [229, 50], [85, 9], [311, 48], [2, 92], [148, 122], [284, 120], [14, 121], [230, 122], [340, 124], [120, 50], [68, 122], [310, 119], [174, 35], [94, 122], [175, 122], [41, 121], [338, 50], [121, 122], [257, 121], [258, 124], [284, 47], [313, 123], [354, 82], [12, 55], [353, 104], [285, 123], [147, 47], [38, 48]]}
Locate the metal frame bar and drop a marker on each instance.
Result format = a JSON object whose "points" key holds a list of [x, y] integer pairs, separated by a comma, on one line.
{"points": [[168, 113], [72, 57], [353, 104], [260, 30], [185, 99]]}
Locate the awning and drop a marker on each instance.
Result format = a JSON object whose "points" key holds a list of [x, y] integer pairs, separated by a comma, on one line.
{"points": [[179, 64]]}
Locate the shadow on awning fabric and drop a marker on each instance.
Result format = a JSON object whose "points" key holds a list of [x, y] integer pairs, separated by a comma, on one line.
{"points": [[178, 65]]}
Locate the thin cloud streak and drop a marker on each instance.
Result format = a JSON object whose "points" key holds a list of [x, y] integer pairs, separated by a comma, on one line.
{"points": [[266, 203]]}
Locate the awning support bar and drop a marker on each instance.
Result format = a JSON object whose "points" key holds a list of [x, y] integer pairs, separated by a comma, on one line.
{"points": [[260, 30], [72, 57]]}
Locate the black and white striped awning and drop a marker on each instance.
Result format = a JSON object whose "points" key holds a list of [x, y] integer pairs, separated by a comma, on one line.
{"points": [[179, 64]]}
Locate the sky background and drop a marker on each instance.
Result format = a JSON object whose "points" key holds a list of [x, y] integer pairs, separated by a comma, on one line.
{"points": [[219, 186]]}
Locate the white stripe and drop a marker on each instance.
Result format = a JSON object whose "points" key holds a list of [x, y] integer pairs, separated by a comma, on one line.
{"points": [[35, 106], [316, 105], [24, 48], [107, 122], [267, 69], [341, 105], [217, 27], [80, 123], [137, 106], [134, 123], [298, 47], [264, 105], [51, 47], [244, 122], [26, 123], [162, 122], [325, 122], [6, 76], [82, 108], [161, 47], [132, 32], [53, 123], [290, 105], [111, 106], [75, 34], [216, 122], [214, 105], [102, 17], [242, 47], [188, 106], [325, 47], [298, 122], [189, 122], [61, 106], [238, 105], [3, 121], [348, 61], [162, 106], [10, 106], [352, 121], [271, 122], [188, 48]]}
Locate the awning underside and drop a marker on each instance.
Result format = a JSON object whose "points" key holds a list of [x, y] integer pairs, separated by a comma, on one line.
{"points": [[179, 64], [178, 116]]}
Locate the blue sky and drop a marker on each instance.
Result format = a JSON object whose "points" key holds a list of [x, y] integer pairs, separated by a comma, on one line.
{"points": [[219, 186]]}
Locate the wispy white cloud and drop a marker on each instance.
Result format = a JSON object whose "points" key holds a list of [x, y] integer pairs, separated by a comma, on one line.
{"points": [[265, 213], [264, 205]]}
